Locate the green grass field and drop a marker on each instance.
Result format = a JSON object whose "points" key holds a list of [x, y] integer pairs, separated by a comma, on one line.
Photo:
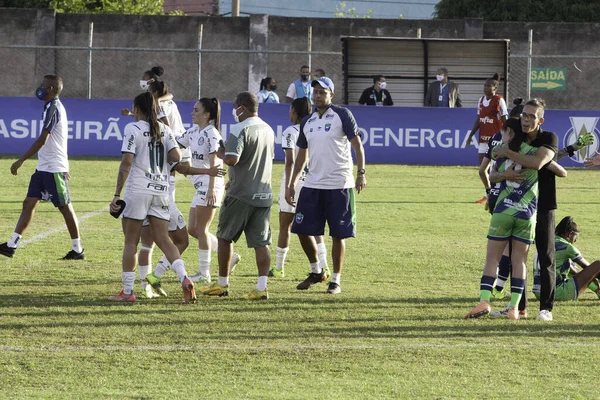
{"points": [[396, 331]]}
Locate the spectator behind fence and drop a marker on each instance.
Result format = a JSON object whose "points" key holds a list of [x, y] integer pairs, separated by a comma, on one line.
{"points": [[443, 93], [267, 94], [300, 87], [376, 95], [319, 73]]}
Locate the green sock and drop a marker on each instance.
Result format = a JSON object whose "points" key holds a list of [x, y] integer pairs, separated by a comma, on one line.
{"points": [[593, 287], [485, 295], [515, 298]]}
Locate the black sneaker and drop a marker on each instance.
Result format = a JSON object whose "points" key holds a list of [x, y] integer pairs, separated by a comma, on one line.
{"points": [[311, 280], [73, 255], [7, 251], [334, 288]]}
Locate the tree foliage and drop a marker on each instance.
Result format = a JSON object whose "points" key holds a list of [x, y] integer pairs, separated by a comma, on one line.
{"points": [[342, 12], [138, 7], [520, 10]]}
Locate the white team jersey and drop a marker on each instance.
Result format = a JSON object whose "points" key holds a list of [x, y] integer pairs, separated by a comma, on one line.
{"points": [[52, 157], [170, 110], [288, 141], [150, 171], [202, 143]]}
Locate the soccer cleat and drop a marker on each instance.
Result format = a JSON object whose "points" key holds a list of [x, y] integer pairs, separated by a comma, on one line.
{"points": [[189, 292], [148, 293], [214, 289], [499, 294], [334, 288], [312, 278], [7, 251], [155, 282], [276, 273], [73, 255], [122, 297], [482, 309], [258, 295], [235, 259], [504, 313], [544, 315], [512, 313], [199, 278], [482, 200]]}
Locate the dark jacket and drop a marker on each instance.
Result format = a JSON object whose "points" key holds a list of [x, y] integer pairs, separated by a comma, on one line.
{"points": [[431, 99]]}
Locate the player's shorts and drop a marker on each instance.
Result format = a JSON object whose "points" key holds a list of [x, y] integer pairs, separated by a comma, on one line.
{"points": [[236, 217], [283, 205], [317, 206], [504, 227], [140, 205], [482, 148], [565, 291], [50, 186], [199, 199], [176, 220]]}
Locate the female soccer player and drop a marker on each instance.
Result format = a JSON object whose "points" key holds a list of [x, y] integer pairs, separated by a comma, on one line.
{"points": [[267, 94], [148, 147]]}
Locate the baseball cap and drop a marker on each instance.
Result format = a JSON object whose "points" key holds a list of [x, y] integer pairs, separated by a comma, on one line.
{"points": [[324, 82]]}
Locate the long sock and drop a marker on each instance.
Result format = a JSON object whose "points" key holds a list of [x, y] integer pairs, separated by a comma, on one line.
{"points": [[335, 278], [503, 272], [163, 266], [77, 245], [261, 284], [14, 240], [128, 279], [485, 287], [517, 286], [316, 268], [281, 254], [179, 267], [214, 242], [593, 287], [143, 270], [322, 254], [223, 281], [204, 262]]}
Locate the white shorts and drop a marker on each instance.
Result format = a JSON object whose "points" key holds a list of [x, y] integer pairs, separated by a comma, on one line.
{"points": [[482, 148], [140, 205], [176, 220], [283, 205], [199, 199]]}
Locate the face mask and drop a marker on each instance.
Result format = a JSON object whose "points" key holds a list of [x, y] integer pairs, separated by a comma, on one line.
{"points": [[304, 77], [41, 93], [273, 88], [383, 85], [144, 85], [234, 113], [439, 77]]}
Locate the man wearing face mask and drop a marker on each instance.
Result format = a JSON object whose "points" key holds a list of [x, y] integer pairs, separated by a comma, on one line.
{"points": [[249, 152], [376, 95], [50, 179], [442, 92], [300, 87]]}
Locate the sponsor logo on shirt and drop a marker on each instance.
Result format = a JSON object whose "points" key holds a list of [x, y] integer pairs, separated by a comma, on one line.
{"points": [[327, 127], [329, 116], [486, 120], [262, 196]]}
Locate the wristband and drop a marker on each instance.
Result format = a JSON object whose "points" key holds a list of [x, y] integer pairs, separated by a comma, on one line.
{"points": [[571, 150], [487, 190], [117, 195]]}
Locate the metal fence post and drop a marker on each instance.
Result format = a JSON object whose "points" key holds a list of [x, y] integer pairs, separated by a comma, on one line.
{"points": [[90, 41], [529, 56], [200, 31], [310, 48]]}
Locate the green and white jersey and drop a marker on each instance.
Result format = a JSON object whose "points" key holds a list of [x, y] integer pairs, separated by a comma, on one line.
{"points": [[518, 199], [565, 254]]}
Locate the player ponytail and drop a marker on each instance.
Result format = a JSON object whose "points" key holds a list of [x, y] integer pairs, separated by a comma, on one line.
{"points": [[265, 82], [302, 107], [517, 109], [213, 108], [147, 106], [158, 88], [566, 228], [155, 73], [494, 80]]}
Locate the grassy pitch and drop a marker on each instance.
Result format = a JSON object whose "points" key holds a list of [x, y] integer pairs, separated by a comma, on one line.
{"points": [[396, 331]]}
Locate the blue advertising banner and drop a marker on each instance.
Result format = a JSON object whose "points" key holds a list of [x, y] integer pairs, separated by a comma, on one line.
{"points": [[391, 135]]}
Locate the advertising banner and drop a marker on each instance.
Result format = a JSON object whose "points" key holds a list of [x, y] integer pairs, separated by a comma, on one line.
{"points": [[391, 135]]}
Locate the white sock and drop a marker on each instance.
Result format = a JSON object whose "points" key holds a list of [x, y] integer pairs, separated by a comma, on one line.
{"points": [[223, 281], [262, 283], [335, 278], [128, 279], [163, 266], [179, 267], [316, 268], [14, 240], [214, 242], [77, 245], [280, 255], [143, 270], [322, 254], [204, 262]]}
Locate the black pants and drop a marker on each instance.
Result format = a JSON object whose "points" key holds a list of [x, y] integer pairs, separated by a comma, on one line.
{"points": [[544, 242]]}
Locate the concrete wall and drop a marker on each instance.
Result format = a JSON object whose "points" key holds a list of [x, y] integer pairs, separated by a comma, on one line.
{"points": [[115, 74]]}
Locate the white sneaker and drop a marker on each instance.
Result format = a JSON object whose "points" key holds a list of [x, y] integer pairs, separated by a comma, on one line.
{"points": [[235, 259], [544, 315], [198, 277], [500, 313]]}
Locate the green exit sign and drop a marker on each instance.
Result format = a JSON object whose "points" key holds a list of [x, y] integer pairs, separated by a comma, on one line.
{"points": [[548, 78]]}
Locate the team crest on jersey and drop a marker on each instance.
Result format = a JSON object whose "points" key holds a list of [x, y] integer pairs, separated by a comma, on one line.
{"points": [[299, 218], [201, 141], [327, 127], [579, 127]]}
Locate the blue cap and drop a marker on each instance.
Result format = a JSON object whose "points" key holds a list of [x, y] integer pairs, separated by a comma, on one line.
{"points": [[324, 82]]}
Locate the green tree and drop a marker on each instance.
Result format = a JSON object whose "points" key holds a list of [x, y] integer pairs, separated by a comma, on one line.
{"points": [[138, 7], [520, 10], [342, 12]]}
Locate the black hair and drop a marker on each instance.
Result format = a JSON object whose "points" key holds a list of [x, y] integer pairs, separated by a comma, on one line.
{"points": [[155, 72], [377, 78], [566, 227], [57, 82], [519, 136], [148, 107], [302, 107], [247, 100], [265, 82], [517, 109], [159, 87], [322, 71], [213, 108], [304, 66], [495, 80]]}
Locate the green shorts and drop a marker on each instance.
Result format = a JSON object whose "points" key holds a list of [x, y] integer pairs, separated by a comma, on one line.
{"points": [[236, 217], [566, 291], [504, 227]]}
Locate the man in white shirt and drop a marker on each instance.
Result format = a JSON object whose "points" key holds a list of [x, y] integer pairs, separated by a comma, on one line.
{"points": [[50, 180]]}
